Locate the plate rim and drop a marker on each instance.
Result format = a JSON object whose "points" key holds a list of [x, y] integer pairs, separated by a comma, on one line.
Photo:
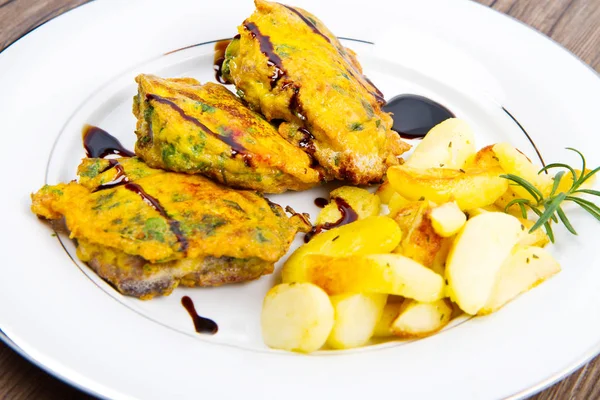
{"points": [[593, 351]]}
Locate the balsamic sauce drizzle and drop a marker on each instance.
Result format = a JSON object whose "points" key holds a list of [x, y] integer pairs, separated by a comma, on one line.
{"points": [[266, 47], [295, 104], [236, 148], [98, 143], [352, 70], [219, 59], [308, 22], [98, 149], [154, 203], [201, 324], [348, 216], [307, 142], [119, 179]]}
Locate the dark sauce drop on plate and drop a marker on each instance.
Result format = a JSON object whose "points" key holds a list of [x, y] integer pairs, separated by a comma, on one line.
{"points": [[220, 48], [415, 115], [98, 143], [201, 324], [348, 216], [321, 202]]}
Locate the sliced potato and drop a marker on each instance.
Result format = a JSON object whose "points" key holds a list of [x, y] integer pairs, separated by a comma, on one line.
{"points": [[410, 212], [506, 198], [396, 203], [360, 200], [484, 158], [446, 145], [476, 211], [456, 311], [366, 236], [421, 319], [526, 268], [439, 262], [385, 192], [419, 240], [470, 189], [389, 315], [514, 162], [476, 257], [536, 238], [355, 318], [447, 219], [377, 273], [296, 317], [567, 181]]}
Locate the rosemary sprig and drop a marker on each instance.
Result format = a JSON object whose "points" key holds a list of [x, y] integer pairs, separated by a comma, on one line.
{"points": [[549, 208]]}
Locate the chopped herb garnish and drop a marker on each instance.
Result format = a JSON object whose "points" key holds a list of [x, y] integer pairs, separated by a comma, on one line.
{"points": [[155, 228], [356, 126], [205, 107], [368, 108]]}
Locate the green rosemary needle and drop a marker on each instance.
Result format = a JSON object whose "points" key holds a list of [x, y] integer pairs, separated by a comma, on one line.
{"points": [[549, 208]]}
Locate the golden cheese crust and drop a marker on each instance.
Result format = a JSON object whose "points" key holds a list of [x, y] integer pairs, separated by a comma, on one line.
{"points": [[184, 126], [163, 216], [289, 66]]}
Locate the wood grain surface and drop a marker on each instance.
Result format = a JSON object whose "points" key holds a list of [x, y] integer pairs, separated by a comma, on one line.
{"points": [[573, 23]]}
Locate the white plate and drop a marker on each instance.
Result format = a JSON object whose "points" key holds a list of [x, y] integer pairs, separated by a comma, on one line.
{"points": [[78, 69]]}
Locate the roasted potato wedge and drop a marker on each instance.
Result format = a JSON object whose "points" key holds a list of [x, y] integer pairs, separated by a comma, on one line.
{"points": [[470, 189], [506, 198], [476, 257], [439, 262], [419, 242], [377, 273], [446, 145], [360, 200], [523, 270], [385, 192], [356, 316], [512, 161], [536, 238], [484, 158], [476, 211], [366, 236], [406, 215], [396, 203], [296, 317], [447, 219], [383, 328], [421, 319], [567, 181]]}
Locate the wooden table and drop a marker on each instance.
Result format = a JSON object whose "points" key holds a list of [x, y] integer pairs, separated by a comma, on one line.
{"points": [[573, 23]]}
